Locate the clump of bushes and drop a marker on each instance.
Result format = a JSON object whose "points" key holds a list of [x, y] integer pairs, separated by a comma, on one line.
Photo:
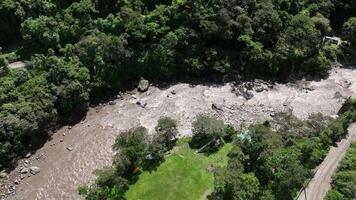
{"points": [[163, 140], [205, 129], [131, 147]]}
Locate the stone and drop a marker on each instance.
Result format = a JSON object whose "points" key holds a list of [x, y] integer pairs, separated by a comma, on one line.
{"points": [[141, 103], [24, 170], [173, 92], [16, 181], [119, 96], [216, 106], [22, 176], [69, 148], [337, 95], [28, 155], [3, 174], [34, 170], [70, 127], [64, 134], [143, 85], [248, 95], [112, 102], [61, 140]]}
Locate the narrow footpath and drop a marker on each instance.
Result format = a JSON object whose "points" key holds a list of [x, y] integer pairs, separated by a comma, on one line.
{"points": [[321, 182]]}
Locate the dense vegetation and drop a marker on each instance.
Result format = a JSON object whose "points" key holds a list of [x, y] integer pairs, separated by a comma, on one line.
{"points": [[270, 163], [85, 47], [344, 181]]}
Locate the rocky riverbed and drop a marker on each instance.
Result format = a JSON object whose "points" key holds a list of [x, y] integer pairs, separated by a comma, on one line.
{"points": [[70, 157]]}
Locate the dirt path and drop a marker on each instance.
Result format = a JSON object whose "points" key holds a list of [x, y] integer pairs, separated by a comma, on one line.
{"points": [[320, 184], [90, 141]]}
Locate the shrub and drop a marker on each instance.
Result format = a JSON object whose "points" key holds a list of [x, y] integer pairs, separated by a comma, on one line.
{"points": [[163, 141], [83, 190], [132, 146], [166, 132], [334, 195], [205, 129], [229, 133]]}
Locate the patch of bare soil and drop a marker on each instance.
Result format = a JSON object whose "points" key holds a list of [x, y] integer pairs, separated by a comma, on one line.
{"points": [[70, 158]]}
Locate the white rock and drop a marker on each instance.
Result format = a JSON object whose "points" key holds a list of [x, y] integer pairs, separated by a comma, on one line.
{"points": [[28, 155], [35, 170]]}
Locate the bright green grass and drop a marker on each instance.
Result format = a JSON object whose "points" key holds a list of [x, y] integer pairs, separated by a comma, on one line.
{"points": [[183, 176]]}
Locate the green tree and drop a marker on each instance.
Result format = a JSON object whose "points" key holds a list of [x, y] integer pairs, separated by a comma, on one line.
{"points": [[206, 129], [132, 145], [349, 31], [334, 195]]}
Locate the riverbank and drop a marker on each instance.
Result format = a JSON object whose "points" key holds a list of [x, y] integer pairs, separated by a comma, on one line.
{"points": [[75, 152]]}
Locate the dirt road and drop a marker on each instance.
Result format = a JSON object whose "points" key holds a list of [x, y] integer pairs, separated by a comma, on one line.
{"points": [[320, 184], [69, 159]]}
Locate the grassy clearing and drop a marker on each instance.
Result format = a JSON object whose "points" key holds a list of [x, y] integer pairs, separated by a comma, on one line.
{"points": [[183, 176]]}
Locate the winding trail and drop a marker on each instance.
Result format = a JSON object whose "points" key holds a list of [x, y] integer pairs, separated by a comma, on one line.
{"points": [[90, 141], [321, 182]]}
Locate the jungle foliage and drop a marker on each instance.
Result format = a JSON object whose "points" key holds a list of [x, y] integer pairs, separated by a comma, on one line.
{"points": [[81, 50]]}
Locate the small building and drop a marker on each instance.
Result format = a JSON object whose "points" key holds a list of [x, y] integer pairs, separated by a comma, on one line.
{"points": [[17, 65], [335, 40]]}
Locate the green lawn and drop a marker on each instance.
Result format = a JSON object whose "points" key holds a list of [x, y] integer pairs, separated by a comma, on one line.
{"points": [[183, 176]]}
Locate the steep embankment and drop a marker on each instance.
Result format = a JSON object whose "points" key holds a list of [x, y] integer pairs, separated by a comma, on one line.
{"points": [[69, 159]]}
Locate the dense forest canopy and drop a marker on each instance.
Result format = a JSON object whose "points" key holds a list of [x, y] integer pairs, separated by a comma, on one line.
{"points": [[82, 49]]}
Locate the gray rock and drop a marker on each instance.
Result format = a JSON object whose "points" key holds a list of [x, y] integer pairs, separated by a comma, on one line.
{"points": [[119, 96], [173, 92], [112, 102], [34, 170], [3, 174], [216, 106], [28, 155], [22, 176], [24, 170], [141, 103], [260, 89], [16, 181], [69, 148], [248, 95], [337, 95], [143, 85]]}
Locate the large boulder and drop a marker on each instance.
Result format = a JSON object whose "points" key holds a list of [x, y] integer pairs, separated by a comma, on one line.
{"points": [[35, 170], [143, 85], [3, 174], [24, 170]]}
